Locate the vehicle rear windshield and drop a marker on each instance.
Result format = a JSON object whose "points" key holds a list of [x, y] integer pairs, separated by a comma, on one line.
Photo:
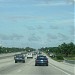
{"points": [[19, 55], [39, 58]]}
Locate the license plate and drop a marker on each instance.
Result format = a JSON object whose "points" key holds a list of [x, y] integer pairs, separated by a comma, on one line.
{"points": [[41, 60]]}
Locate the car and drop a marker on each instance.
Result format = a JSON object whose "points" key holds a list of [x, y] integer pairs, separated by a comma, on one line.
{"points": [[34, 53], [41, 60], [39, 52], [29, 55], [19, 58]]}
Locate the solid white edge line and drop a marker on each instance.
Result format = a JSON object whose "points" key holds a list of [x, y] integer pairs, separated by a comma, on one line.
{"points": [[60, 69]]}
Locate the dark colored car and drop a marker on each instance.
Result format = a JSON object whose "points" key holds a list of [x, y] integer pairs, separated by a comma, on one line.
{"points": [[19, 58], [41, 60]]}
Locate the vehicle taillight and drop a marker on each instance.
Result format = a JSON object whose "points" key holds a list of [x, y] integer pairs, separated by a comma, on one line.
{"points": [[37, 60], [46, 61]]}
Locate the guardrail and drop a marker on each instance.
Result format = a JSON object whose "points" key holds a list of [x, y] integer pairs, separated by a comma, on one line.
{"points": [[69, 61], [2, 56]]}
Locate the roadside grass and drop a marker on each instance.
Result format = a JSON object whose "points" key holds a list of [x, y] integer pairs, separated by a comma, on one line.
{"points": [[57, 59], [67, 58], [70, 58], [54, 58], [60, 59]]}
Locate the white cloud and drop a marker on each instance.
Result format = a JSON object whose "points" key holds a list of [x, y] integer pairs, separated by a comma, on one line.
{"points": [[63, 37], [34, 38], [11, 37], [54, 3], [63, 21], [50, 4]]}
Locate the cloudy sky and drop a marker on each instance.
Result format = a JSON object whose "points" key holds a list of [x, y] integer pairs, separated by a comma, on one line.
{"points": [[36, 23]]}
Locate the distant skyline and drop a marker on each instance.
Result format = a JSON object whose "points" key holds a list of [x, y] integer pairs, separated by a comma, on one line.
{"points": [[36, 23]]}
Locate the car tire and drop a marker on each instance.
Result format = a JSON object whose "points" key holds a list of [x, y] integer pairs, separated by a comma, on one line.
{"points": [[23, 61], [46, 64], [15, 61], [35, 64]]}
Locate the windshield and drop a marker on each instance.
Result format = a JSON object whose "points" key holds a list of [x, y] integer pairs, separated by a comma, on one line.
{"points": [[19, 55], [41, 58]]}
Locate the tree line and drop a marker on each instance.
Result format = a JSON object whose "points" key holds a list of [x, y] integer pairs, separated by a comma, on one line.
{"points": [[65, 49], [14, 49]]}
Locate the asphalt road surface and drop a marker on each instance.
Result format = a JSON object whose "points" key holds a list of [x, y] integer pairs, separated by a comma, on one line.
{"points": [[9, 67]]}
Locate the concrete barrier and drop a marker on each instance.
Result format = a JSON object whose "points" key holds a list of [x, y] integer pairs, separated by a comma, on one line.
{"points": [[8, 55], [70, 61]]}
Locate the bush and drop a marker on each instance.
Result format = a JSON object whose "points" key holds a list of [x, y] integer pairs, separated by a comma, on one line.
{"points": [[59, 57]]}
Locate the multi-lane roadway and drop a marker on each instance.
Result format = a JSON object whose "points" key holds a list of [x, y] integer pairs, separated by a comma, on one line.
{"points": [[9, 67]]}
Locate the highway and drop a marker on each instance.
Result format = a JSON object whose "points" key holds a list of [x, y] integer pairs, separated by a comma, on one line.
{"points": [[8, 67]]}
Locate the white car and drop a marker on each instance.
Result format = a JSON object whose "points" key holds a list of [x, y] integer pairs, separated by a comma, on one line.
{"points": [[29, 55]]}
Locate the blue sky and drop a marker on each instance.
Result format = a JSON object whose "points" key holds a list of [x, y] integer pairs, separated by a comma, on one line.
{"points": [[36, 23]]}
